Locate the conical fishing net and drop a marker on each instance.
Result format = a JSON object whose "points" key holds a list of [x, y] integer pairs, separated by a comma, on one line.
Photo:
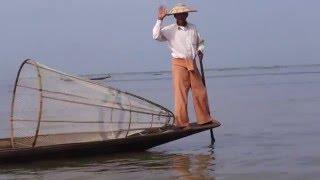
{"points": [[50, 107]]}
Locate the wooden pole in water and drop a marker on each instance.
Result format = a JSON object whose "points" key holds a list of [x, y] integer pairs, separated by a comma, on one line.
{"points": [[213, 140]]}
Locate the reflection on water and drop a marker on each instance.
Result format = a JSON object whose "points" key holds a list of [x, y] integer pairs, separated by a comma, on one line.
{"points": [[118, 166], [193, 166]]}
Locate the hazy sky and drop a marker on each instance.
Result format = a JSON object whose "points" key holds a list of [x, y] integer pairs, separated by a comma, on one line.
{"points": [[96, 36]]}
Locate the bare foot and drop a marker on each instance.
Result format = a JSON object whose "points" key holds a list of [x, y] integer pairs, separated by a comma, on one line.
{"points": [[216, 122]]}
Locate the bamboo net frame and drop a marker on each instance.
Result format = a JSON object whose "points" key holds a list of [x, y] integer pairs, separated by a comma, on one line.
{"points": [[50, 107]]}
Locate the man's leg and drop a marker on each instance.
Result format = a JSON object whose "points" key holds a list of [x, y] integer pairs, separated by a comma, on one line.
{"points": [[181, 86], [200, 98]]}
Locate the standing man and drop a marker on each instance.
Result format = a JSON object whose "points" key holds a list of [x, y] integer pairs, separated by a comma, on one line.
{"points": [[185, 44]]}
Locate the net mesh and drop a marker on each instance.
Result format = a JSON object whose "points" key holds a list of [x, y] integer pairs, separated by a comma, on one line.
{"points": [[50, 107]]}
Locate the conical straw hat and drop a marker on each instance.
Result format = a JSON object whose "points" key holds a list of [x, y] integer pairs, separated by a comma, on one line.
{"points": [[180, 8]]}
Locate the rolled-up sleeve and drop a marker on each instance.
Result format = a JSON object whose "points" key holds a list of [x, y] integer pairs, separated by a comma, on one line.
{"points": [[157, 31]]}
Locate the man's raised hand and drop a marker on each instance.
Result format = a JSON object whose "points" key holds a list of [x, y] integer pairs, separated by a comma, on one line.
{"points": [[162, 13]]}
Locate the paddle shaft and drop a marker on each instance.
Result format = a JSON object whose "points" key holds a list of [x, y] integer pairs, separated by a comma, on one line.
{"points": [[204, 83]]}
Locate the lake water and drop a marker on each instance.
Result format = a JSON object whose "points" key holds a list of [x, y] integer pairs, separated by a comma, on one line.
{"points": [[270, 130]]}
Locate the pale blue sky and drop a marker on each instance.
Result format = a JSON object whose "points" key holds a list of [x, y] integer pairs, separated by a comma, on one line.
{"points": [[97, 36]]}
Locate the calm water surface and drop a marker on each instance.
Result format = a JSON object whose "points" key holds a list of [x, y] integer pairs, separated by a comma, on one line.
{"points": [[270, 130]]}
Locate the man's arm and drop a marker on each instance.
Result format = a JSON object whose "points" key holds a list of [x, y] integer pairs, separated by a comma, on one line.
{"points": [[157, 34], [201, 46]]}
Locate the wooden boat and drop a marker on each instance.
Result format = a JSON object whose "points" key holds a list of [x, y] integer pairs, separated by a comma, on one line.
{"points": [[138, 142], [54, 114]]}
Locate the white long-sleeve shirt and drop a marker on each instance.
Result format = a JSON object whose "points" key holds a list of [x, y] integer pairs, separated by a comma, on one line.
{"points": [[184, 42]]}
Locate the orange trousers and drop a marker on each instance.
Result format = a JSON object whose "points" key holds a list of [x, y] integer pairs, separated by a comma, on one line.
{"points": [[183, 80]]}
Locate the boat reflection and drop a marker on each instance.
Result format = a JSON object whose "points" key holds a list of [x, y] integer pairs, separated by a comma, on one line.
{"points": [[148, 164]]}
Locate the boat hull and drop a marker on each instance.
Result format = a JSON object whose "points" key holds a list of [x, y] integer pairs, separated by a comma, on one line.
{"points": [[133, 143]]}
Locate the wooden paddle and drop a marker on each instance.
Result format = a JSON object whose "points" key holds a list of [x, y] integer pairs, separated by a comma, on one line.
{"points": [[213, 140]]}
